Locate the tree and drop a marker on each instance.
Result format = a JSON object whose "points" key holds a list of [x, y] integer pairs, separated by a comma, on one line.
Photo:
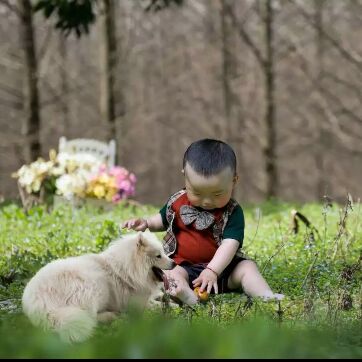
{"points": [[31, 124], [107, 64], [64, 102], [270, 126], [77, 15], [322, 136], [266, 60], [72, 15]]}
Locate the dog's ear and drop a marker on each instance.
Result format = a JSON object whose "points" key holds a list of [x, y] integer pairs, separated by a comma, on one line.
{"points": [[145, 237], [141, 240]]}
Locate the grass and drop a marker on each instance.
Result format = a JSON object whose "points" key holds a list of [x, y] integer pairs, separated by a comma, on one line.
{"points": [[318, 268]]}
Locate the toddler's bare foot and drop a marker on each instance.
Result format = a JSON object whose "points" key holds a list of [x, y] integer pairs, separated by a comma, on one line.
{"points": [[272, 297], [185, 295], [106, 317]]}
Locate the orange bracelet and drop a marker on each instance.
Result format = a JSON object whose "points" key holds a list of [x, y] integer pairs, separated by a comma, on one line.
{"points": [[212, 271]]}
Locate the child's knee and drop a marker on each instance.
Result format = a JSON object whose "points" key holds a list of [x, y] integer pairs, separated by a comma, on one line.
{"points": [[247, 267]]}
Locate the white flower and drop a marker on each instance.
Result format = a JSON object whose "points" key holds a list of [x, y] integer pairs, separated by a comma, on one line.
{"points": [[32, 176], [70, 185], [72, 162], [71, 171]]}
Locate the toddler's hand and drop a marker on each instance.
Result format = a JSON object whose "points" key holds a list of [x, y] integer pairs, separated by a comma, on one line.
{"points": [[136, 224], [208, 280]]}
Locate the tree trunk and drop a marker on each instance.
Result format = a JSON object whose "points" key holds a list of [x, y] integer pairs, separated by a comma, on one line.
{"points": [[107, 65], [64, 104], [226, 63], [270, 126], [31, 123], [231, 100], [322, 177]]}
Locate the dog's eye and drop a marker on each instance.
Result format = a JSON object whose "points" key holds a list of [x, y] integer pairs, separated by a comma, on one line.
{"points": [[158, 256]]}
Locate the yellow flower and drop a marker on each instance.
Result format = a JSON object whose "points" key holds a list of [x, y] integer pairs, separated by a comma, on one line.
{"points": [[71, 166], [102, 187], [103, 179], [112, 183], [53, 155], [99, 191], [110, 193]]}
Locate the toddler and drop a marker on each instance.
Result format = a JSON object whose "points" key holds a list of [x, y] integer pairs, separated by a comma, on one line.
{"points": [[205, 228]]}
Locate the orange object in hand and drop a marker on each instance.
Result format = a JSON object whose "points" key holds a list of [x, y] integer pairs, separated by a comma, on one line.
{"points": [[204, 296]]}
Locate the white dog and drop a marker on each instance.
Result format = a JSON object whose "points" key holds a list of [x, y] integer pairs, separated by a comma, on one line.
{"points": [[70, 295]]}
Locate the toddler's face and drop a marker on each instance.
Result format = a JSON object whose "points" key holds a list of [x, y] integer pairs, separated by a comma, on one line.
{"points": [[211, 192]]}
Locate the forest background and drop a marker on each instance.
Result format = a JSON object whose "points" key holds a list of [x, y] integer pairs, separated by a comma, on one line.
{"points": [[279, 80]]}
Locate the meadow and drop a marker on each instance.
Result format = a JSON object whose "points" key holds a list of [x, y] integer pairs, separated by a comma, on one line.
{"points": [[309, 252]]}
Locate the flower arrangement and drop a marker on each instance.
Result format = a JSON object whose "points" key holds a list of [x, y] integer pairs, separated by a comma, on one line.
{"points": [[75, 173], [33, 176], [112, 184], [38, 175], [76, 176]]}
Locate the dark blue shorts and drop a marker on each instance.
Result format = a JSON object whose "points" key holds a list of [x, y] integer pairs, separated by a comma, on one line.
{"points": [[194, 270]]}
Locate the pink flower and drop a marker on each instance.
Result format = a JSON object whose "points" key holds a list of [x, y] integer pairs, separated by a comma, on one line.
{"points": [[125, 181], [119, 172], [124, 185], [102, 168], [116, 198], [133, 178]]}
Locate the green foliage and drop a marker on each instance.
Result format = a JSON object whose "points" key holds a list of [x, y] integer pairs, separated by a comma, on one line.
{"points": [[72, 15], [318, 268], [78, 15]]}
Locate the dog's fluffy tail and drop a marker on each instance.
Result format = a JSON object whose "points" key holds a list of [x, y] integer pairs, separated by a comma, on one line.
{"points": [[73, 324]]}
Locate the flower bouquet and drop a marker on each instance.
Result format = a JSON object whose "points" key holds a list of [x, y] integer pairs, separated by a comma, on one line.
{"points": [[113, 184], [73, 178], [36, 181], [75, 172]]}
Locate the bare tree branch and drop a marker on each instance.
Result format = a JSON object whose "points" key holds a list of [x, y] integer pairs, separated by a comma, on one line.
{"points": [[244, 35], [11, 91], [352, 58], [352, 87], [11, 7]]}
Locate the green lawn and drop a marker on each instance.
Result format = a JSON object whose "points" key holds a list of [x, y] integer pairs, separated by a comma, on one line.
{"points": [[318, 269]]}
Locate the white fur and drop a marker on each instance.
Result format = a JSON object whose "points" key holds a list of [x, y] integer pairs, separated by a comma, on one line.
{"points": [[70, 295]]}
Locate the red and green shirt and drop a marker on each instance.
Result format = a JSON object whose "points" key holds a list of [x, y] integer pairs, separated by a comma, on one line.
{"points": [[199, 246]]}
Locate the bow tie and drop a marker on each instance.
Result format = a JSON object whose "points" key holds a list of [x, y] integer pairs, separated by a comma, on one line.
{"points": [[203, 219]]}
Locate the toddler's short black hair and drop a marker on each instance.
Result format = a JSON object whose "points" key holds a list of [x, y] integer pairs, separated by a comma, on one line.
{"points": [[209, 157]]}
